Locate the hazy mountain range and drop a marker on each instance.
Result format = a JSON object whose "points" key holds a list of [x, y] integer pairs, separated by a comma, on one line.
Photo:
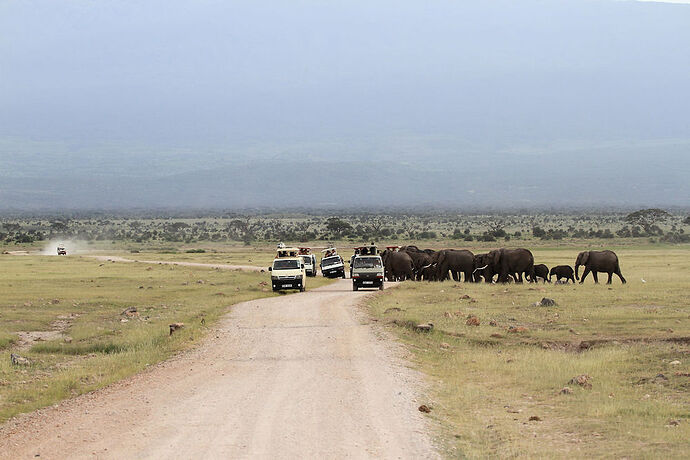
{"points": [[235, 104]]}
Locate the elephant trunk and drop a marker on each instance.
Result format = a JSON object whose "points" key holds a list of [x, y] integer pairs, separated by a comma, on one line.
{"points": [[577, 267]]}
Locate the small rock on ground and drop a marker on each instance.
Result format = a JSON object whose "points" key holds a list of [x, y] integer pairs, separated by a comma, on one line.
{"points": [[472, 321], [584, 380], [424, 327]]}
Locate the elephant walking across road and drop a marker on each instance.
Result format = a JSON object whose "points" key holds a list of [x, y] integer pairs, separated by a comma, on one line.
{"points": [[505, 263], [398, 265], [598, 262], [455, 261], [421, 261]]}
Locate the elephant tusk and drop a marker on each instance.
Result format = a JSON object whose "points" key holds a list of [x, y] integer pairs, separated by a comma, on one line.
{"points": [[426, 266], [480, 268]]}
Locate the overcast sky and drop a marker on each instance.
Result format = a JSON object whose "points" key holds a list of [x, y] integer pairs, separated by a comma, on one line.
{"points": [[271, 78]]}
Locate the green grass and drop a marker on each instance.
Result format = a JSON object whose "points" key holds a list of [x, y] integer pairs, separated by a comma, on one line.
{"points": [[487, 382], [260, 255], [84, 299]]}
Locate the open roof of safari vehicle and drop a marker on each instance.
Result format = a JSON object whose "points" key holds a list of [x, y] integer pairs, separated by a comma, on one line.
{"points": [[287, 252], [369, 250]]}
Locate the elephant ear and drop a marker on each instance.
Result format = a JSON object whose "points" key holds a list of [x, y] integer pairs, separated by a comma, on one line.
{"points": [[584, 257], [495, 257]]}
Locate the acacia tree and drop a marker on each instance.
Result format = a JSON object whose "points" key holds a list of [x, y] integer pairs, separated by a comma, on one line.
{"points": [[337, 226], [647, 218], [244, 230]]}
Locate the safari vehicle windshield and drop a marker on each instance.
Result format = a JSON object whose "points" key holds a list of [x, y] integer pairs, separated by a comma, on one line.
{"points": [[330, 261], [367, 262], [288, 264]]}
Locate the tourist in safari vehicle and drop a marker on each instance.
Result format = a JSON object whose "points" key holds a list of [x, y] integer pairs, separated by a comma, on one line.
{"points": [[332, 265]]}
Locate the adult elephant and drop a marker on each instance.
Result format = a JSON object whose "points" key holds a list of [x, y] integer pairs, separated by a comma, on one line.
{"points": [[455, 261], [505, 263], [598, 261], [428, 272], [421, 261], [482, 268], [398, 265]]}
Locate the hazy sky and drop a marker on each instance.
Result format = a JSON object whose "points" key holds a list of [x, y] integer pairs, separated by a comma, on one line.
{"points": [[445, 78]]}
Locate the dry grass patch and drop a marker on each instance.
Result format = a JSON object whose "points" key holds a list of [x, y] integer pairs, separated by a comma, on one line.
{"points": [[632, 341]]}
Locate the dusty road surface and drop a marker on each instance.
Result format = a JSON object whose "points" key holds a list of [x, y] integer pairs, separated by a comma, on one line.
{"points": [[298, 376]]}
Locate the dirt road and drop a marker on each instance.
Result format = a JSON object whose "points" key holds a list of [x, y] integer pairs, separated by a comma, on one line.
{"points": [[251, 268], [297, 376]]}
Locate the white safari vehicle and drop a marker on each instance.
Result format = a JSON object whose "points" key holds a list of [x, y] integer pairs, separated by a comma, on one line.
{"points": [[332, 265], [366, 268], [309, 260], [287, 271]]}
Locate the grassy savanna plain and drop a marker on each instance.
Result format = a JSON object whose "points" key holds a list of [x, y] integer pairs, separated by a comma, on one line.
{"points": [[483, 388], [633, 341], [65, 314]]}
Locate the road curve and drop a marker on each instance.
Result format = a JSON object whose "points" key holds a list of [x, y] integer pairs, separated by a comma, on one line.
{"points": [[295, 376]]}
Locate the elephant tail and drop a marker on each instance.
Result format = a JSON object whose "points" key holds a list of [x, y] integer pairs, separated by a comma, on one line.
{"points": [[618, 272]]}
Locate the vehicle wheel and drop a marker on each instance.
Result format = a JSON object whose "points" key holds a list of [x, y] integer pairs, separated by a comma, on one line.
{"points": [[354, 287], [343, 275], [302, 289], [381, 287]]}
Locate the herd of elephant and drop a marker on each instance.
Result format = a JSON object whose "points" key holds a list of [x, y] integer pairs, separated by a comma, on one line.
{"points": [[410, 262]]}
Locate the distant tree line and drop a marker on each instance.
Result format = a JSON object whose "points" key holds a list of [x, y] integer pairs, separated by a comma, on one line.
{"points": [[651, 223]]}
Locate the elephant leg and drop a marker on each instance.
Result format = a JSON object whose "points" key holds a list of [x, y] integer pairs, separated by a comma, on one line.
{"points": [[610, 278], [519, 277], [468, 277], [620, 275], [456, 276], [584, 275], [595, 275]]}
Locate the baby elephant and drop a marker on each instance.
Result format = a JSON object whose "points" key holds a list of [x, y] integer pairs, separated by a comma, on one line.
{"points": [[541, 271], [563, 271]]}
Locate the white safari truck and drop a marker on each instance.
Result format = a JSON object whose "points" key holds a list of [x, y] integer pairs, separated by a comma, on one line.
{"points": [[332, 265], [287, 271], [366, 268], [309, 260]]}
